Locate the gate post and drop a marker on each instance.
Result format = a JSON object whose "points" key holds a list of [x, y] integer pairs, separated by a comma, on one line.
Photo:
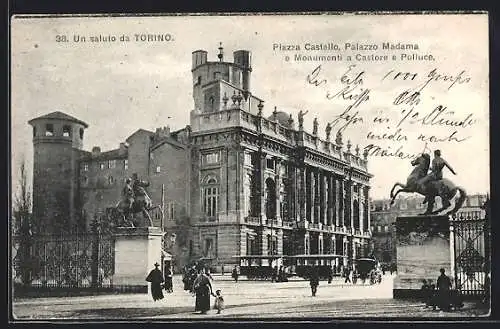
{"points": [[95, 255]]}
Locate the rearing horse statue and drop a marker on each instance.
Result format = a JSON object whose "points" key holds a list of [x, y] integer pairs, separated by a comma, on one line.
{"points": [[443, 188], [123, 213]]}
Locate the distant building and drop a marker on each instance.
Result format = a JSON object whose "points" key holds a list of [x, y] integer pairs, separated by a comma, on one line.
{"points": [[383, 217], [236, 182]]}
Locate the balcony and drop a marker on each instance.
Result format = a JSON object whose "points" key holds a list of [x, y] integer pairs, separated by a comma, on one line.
{"points": [[252, 220], [273, 222]]}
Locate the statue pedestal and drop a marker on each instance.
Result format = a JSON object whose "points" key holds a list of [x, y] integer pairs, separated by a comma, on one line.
{"points": [[137, 249], [422, 248]]}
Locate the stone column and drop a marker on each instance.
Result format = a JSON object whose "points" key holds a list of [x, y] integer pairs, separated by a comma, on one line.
{"points": [[325, 203], [312, 188], [302, 192], [330, 202], [336, 211], [317, 196], [262, 186], [277, 179], [342, 202]]}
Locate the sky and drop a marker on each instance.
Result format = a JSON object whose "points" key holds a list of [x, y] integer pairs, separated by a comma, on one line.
{"points": [[118, 87]]}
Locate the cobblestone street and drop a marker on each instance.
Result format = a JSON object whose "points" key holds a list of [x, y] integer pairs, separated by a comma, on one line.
{"points": [[244, 300]]}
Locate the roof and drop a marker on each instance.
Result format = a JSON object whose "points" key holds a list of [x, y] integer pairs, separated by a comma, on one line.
{"points": [[57, 115], [139, 131], [108, 155]]}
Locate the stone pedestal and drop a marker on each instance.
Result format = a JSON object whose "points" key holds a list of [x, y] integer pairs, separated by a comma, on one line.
{"points": [[422, 248], [136, 251]]}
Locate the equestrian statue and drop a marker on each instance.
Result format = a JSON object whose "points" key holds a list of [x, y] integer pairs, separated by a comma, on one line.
{"points": [[134, 200], [431, 184]]}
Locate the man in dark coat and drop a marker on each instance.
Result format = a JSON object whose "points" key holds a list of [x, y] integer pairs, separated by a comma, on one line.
{"points": [[444, 286], [314, 280], [156, 279], [169, 287]]}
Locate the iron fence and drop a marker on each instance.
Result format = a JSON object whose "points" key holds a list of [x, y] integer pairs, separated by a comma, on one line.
{"points": [[66, 260]]}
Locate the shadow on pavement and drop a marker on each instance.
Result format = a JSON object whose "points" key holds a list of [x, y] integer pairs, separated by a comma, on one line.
{"points": [[120, 313]]}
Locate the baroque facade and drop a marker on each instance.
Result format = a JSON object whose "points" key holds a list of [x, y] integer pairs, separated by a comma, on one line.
{"points": [[233, 182]]}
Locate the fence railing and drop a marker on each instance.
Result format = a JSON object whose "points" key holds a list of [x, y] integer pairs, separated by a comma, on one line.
{"points": [[69, 260]]}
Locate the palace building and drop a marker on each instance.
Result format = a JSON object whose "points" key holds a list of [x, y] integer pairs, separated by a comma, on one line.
{"points": [[233, 182]]}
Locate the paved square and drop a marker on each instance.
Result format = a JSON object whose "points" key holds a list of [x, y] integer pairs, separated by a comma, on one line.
{"points": [[244, 300]]}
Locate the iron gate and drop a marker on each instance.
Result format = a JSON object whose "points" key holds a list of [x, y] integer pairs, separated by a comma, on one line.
{"points": [[471, 252]]}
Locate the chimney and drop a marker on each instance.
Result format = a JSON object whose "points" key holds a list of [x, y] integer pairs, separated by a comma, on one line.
{"points": [[123, 148], [96, 150]]}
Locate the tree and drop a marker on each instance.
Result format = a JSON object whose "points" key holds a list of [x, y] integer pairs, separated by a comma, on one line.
{"points": [[23, 226], [22, 203]]}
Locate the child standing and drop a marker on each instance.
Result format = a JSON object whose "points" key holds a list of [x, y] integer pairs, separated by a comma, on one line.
{"points": [[219, 301]]}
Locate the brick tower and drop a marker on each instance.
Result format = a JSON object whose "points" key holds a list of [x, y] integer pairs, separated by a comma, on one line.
{"points": [[57, 143]]}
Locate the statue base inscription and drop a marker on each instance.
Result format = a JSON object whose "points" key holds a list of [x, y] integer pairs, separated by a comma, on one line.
{"points": [[136, 251], [422, 248]]}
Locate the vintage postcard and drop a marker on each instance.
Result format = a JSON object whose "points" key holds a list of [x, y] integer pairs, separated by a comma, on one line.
{"points": [[258, 166]]}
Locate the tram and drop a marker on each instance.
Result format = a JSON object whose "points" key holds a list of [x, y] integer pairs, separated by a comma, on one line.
{"points": [[329, 265], [260, 267]]}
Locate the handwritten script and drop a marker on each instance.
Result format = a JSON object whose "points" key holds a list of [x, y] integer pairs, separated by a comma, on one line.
{"points": [[406, 119]]}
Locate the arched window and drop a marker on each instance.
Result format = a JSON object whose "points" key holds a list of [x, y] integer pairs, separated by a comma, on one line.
{"points": [[211, 104], [210, 195]]}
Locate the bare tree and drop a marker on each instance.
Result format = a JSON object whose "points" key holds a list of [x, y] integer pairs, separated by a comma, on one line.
{"points": [[22, 202]]}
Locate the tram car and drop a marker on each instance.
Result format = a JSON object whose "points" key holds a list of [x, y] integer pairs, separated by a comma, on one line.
{"points": [[368, 269], [328, 265], [260, 267]]}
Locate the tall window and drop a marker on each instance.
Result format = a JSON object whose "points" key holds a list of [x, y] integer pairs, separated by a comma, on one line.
{"points": [[111, 164], [85, 167], [270, 199], [209, 248], [210, 197], [102, 165], [210, 158], [248, 159], [170, 211], [125, 164], [111, 180], [251, 245], [272, 244], [81, 133]]}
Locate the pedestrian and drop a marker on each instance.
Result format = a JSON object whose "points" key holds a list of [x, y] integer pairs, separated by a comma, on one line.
{"points": [[169, 287], [443, 286], [222, 269], [219, 301], [203, 289], [330, 274], [156, 279], [235, 274], [314, 280], [347, 274]]}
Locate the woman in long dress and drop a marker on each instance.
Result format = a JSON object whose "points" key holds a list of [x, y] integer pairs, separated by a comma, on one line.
{"points": [[203, 290]]}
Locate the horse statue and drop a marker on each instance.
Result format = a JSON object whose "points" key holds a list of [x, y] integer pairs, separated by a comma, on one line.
{"points": [[443, 188], [124, 214]]}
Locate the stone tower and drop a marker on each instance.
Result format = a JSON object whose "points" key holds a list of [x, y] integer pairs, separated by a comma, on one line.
{"points": [[57, 143], [208, 95]]}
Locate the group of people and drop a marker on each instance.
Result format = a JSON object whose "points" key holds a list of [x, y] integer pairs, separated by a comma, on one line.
{"points": [[197, 280], [440, 294]]}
